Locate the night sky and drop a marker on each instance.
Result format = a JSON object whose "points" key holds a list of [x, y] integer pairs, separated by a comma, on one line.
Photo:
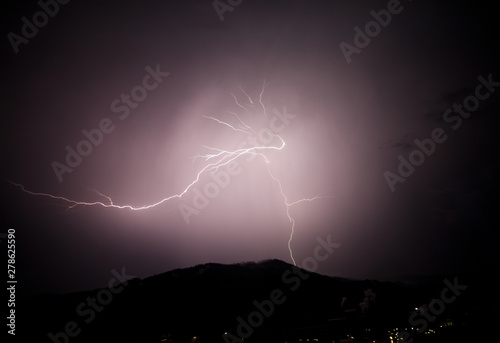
{"points": [[145, 80]]}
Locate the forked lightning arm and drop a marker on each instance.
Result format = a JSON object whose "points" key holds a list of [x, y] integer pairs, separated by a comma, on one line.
{"points": [[218, 159]]}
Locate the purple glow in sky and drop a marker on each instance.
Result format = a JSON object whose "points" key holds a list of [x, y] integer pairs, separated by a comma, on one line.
{"points": [[221, 164]]}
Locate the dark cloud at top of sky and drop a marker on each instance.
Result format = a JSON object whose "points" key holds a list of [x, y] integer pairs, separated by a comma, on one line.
{"points": [[351, 122]]}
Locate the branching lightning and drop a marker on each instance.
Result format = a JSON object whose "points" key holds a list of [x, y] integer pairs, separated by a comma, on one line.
{"points": [[217, 159]]}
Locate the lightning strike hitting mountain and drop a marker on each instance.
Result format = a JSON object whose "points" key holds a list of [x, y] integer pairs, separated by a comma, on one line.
{"points": [[218, 159]]}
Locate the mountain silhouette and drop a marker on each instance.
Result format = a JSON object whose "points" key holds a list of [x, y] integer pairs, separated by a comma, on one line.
{"points": [[268, 301]]}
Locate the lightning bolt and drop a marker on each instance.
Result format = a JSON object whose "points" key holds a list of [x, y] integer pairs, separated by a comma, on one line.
{"points": [[217, 159]]}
